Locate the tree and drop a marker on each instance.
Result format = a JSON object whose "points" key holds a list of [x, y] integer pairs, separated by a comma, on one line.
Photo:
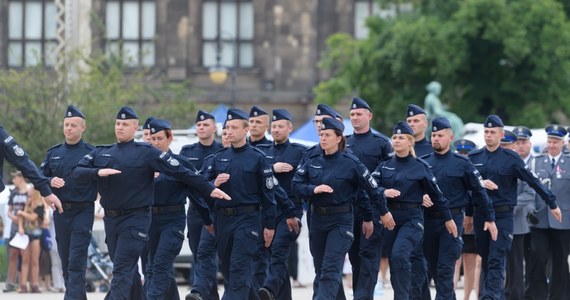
{"points": [[491, 56]]}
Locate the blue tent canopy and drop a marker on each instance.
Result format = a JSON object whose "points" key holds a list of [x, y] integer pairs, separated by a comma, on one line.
{"points": [[308, 132]]}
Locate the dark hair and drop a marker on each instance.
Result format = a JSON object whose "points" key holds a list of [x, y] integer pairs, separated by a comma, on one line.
{"points": [[168, 133], [342, 143]]}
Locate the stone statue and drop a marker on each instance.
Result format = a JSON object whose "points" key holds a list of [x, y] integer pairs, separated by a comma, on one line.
{"points": [[434, 108]]}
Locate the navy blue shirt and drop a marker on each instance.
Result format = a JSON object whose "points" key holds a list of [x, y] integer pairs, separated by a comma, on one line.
{"points": [[263, 141], [412, 177], [60, 160], [423, 147], [369, 147], [456, 176], [345, 174], [197, 152], [134, 187], [503, 167], [12, 152], [251, 180]]}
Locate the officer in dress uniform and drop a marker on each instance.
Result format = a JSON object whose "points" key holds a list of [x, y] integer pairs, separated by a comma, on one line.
{"points": [[330, 182], [166, 233], [12, 152], [125, 173], [550, 238], [244, 173], [417, 119], [456, 176], [406, 179], [370, 148], [258, 125], [73, 226], [146, 138], [323, 111], [500, 169], [206, 145], [284, 158]]}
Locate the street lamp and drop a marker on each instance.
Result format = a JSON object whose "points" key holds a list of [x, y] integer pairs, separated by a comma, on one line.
{"points": [[219, 73]]}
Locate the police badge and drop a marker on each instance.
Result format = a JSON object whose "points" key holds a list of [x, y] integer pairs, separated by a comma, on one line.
{"points": [[269, 182], [18, 151]]}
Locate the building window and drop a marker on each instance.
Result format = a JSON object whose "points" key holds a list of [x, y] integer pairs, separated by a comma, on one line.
{"points": [[227, 27], [31, 33], [366, 8], [131, 28]]}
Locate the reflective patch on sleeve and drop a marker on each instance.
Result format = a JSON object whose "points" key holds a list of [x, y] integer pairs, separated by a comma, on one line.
{"points": [[269, 182], [301, 171], [267, 171], [8, 139], [173, 162], [372, 182], [18, 151], [365, 173]]}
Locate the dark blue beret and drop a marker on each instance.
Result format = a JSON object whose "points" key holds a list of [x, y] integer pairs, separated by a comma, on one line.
{"points": [[440, 123], [556, 131], [359, 103], [256, 111], [158, 125], [73, 111], [204, 115], [147, 121], [493, 121], [332, 123], [464, 145], [237, 114], [323, 109], [415, 110], [523, 133], [127, 113], [281, 114], [509, 138], [402, 128]]}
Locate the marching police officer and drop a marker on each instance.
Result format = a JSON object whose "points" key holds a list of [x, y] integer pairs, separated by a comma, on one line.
{"points": [[146, 129], [370, 148], [258, 125], [406, 179], [500, 169], [331, 181], [417, 119], [456, 176], [125, 173], [12, 152], [206, 145], [244, 173], [166, 233], [284, 158], [323, 111], [73, 226], [550, 238]]}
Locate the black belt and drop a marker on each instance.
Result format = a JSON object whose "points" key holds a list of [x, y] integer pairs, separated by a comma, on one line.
{"points": [[76, 205], [502, 208], [232, 211], [113, 213], [402, 205], [331, 210], [157, 210], [438, 214]]}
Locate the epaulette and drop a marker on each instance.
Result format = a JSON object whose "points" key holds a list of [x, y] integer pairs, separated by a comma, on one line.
{"points": [[461, 156], [190, 146], [258, 150], [143, 144], [476, 151], [264, 145], [540, 155], [512, 153], [380, 135], [423, 162], [426, 155], [350, 155], [299, 145], [89, 146], [54, 146], [390, 156], [104, 146]]}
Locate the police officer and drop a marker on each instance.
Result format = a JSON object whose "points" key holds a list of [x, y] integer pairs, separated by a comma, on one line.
{"points": [[519, 257], [417, 119], [370, 148], [508, 140], [146, 129], [125, 172], [464, 146], [323, 111], [284, 158], [206, 145], [73, 226], [258, 125], [456, 176], [406, 179], [244, 173], [146, 138], [330, 182], [550, 238], [500, 169], [12, 152]]}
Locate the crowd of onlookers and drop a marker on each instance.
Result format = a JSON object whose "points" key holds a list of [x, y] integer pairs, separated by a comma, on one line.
{"points": [[36, 268]]}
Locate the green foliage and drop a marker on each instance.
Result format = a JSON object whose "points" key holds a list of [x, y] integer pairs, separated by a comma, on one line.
{"points": [[491, 56]]}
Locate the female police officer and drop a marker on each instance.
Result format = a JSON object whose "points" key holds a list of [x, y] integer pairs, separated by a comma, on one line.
{"points": [[166, 233], [330, 181], [406, 180]]}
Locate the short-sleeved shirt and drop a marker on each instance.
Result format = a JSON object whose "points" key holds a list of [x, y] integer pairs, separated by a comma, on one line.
{"points": [[17, 200]]}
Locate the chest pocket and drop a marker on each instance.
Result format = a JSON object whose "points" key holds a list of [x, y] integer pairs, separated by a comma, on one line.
{"points": [[250, 179], [505, 172], [55, 165], [222, 166], [414, 176], [102, 162], [315, 171]]}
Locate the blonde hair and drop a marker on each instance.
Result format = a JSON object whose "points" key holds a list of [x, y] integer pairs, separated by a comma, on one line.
{"points": [[413, 143], [35, 200]]}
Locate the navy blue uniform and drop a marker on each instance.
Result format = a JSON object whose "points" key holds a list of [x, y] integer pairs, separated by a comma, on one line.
{"points": [[412, 177], [250, 185], [503, 167], [332, 220], [277, 279], [127, 198], [166, 233], [263, 141], [365, 254], [73, 226], [196, 153], [12, 152], [456, 176], [423, 147]]}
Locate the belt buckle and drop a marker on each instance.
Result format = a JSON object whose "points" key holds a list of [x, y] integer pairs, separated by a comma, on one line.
{"points": [[231, 211], [322, 211]]}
